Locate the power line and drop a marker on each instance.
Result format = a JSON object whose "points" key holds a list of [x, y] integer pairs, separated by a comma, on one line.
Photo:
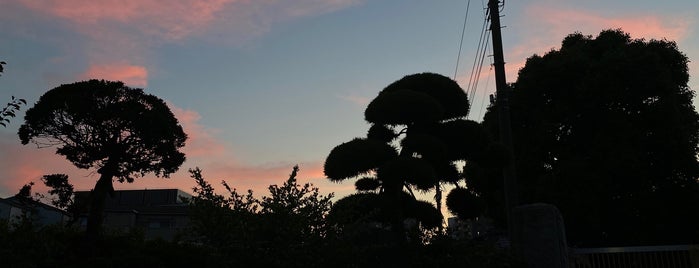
{"points": [[478, 62], [461, 43], [485, 91]]}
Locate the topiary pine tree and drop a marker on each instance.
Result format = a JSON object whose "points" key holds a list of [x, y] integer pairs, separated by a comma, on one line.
{"points": [[418, 135]]}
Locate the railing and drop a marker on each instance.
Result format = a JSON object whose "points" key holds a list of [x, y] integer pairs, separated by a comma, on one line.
{"points": [[679, 256]]}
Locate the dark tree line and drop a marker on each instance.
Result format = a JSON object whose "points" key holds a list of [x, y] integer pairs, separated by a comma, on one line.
{"points": [[287, 228], [604, 128]]}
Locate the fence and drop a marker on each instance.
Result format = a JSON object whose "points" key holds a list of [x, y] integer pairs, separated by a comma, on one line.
{"points": [[679, 256]]}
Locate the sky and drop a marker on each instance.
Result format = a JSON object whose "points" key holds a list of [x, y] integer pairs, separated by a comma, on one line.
{"points": [[260, 86]]}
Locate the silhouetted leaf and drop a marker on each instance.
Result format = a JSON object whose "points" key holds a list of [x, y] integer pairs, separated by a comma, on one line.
{"points": [[367, 184], [356, 157], [402, 108], [426, 145], [415, 171], [451, 98], [465, 139], [464, 203], [381, 133], [425, 213]]}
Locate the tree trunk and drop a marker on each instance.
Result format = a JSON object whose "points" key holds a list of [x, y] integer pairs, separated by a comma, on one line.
{"points": [[97, 197], [438, 201], [395, 211]]}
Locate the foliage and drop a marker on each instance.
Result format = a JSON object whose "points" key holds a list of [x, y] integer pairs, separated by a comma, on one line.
{"points": [[604, 128], [464, 203], [293, 215], [121, 131], [25, 191], [60, 246], [60, 192], [356, 157], [272, 238], [300, 207], [217, 220], [10, 110], [12, 107], [62, 195], [417, 137], [61, 188]]}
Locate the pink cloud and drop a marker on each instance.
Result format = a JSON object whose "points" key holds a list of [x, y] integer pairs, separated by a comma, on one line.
{"points": [[119, 31], [639, 26], [179, 19], [357, 100], [544, 27], [21, 164], [166, 19], [27, 163], [132, 75], [201, 141]]}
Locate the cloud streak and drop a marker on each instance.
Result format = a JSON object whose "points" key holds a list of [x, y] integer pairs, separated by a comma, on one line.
{"points": [[132, 75], [164, 19], [120, 34], [545, 26]]}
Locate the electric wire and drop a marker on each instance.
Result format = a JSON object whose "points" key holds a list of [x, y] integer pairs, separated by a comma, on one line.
{"points": [[485, 91], [475, 60], [478, 62], [461, 43], [477, 74]]}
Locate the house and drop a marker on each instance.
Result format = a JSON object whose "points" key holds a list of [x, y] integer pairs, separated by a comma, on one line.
{"points": [[159, 213], [12, 209]]}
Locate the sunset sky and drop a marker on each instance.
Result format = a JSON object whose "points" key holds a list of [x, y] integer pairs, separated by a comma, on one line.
{"points": [[262, 85]]}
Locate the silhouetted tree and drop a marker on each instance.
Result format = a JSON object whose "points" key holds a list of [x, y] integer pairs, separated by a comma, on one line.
{"points": [[272, 231], [218, 220], [605, 129], [121, 131], [422, 115], [301, 208], [25, 192]]}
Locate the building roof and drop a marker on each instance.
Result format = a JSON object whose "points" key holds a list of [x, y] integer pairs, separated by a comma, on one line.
{"points": [[28, 203], [148, 201]]}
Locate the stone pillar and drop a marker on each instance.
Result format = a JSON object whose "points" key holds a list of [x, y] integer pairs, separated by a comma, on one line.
{"points": [[539, 236]]}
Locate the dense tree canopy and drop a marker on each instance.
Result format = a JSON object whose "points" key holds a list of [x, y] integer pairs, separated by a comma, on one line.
{"points": [[418, 134], [121, 131], [605, 129]]}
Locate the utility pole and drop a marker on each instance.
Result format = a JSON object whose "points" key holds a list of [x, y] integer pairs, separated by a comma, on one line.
{"points": [[503, 104]]}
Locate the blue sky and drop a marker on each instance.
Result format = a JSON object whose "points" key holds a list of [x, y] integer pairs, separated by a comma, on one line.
{"points": [[262, 85]]}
